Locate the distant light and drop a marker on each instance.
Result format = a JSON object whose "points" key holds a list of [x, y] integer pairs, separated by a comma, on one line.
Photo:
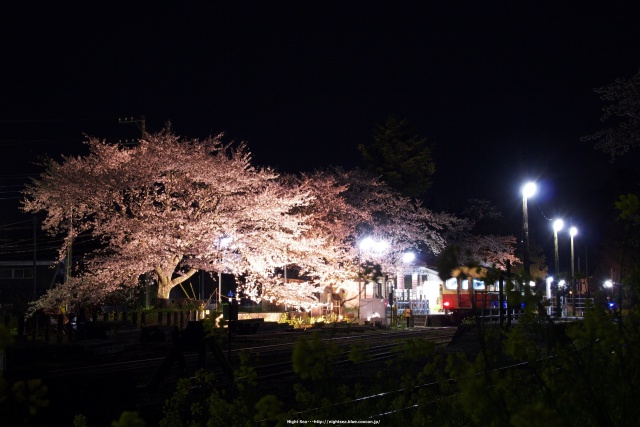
{"points": [[408, 257], [561, 283], [549, 279], [557, 225], [573, 231], [380, 246], [608, 284], [529, 189], [532, 284], [368, 244]]}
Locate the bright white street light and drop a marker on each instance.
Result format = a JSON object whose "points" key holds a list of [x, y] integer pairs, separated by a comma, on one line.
{"points": [[549, 282], [225, 241], [609, 284], [366, 243], [557, 225], [371, 245], [408, 257], [529, 190], [572, 232]]}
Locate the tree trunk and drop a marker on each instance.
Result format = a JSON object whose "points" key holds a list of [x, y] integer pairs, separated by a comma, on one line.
{"points": [[164, 287], [166, 283]]}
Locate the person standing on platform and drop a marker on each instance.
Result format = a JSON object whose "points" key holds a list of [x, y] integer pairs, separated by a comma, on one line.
{"points": [[408, 314]]}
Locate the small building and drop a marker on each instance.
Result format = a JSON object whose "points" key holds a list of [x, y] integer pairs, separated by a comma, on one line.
{"points": [[24, 281], [419, 286]]}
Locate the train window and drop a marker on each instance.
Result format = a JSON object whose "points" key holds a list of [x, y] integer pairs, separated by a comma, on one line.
{"points": [[451, 283], [465, 284], [478, 284]]}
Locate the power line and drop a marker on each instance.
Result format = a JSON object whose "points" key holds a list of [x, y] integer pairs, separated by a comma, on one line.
{"points": [[541, 212]]}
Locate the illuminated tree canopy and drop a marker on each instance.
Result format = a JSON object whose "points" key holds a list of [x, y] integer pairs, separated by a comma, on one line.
{"points": [[163, 206], [169, 207], [486, 249]]}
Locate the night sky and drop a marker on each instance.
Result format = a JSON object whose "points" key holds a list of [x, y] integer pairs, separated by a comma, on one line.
{"points": [[503, 89]]}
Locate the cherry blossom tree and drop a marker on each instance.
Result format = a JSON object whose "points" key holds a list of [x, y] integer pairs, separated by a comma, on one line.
{"points": [[164, 206], [486, 249], [348, 206], [344, 207], [383, 213]]}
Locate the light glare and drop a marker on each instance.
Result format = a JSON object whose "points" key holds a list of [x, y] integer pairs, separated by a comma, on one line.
{"points": [[379, 246], [408, 257], [557, 225], [529, 190]]}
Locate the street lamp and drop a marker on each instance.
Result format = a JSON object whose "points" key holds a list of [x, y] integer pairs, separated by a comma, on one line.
{"points": [[368, 244], [557, 226], [222, 244], [408, 258], [528, 190], [572, 232], [610, 301], [549, 282], [560, 304]]}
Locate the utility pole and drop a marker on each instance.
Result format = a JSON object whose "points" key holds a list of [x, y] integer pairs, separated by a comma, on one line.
{"points": [[35, 261], [141, 123], [586, 270], [69, 249]]}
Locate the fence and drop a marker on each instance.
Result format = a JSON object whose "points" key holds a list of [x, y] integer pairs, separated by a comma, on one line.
{"points": [[569, 307], [97, 325]]}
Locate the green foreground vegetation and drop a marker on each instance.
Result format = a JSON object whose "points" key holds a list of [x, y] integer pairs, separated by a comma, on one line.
{"points": [[536, 372]]}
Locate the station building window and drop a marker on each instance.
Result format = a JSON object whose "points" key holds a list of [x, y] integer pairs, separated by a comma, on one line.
{"points": [[16, 273]]}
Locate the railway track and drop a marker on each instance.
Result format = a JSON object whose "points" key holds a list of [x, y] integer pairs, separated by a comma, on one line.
{"points": [[271, 359], [122, 379]]}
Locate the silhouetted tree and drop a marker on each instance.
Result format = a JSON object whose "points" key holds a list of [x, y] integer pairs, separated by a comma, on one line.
{"points": [[623, 112], [401, 158]]}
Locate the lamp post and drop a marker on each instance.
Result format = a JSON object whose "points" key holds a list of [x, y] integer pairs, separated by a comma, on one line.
{"points": [[557, 226], [572, 232], [610, 301], [549, 282], [407, 259], [561, 285], [528, 190], [222, 244], [368, 244]]}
